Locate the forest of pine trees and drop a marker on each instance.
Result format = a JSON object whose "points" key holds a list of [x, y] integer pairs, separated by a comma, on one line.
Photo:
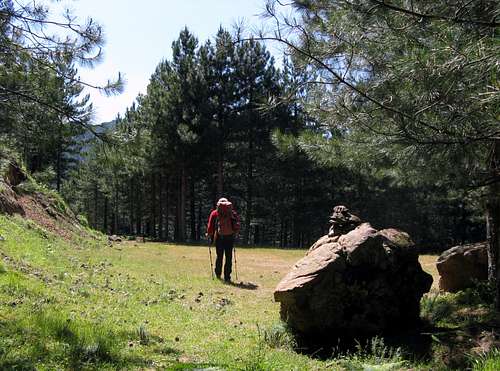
{"points": [[220, 118]]}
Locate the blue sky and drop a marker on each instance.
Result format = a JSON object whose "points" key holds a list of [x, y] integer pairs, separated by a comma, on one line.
{"points": [[139, 34]]}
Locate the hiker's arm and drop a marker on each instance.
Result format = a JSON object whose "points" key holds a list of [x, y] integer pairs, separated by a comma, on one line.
{"points": [[211, 224]]}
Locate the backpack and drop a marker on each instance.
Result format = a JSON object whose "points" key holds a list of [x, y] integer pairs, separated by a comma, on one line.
{"points": [[227, 219]]}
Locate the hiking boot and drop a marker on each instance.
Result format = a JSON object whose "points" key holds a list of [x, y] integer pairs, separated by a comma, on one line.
{"points": [[227, 279]]}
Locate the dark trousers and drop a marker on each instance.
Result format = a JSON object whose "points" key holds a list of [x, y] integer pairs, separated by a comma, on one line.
{"points": [[224, 246]]}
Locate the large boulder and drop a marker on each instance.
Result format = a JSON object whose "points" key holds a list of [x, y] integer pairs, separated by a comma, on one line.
{"points": [[11, 175], [9, 203], [15, 175], [360, 283], [460, 266]]}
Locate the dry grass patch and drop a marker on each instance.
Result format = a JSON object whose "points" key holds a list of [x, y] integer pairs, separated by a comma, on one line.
{"points": [[428, 263]]}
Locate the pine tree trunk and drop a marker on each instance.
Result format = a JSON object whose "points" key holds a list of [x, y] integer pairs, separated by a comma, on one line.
{"points": [[181, 206], [153, 205], [285, 234], [96, 205], [115, 211], [192, 216], [248, 214], [220, 173], [493, 222], [59, 159], [160, 208], [198, 227], [131, 206], [138, 210], [105, 218], [167, 210]]}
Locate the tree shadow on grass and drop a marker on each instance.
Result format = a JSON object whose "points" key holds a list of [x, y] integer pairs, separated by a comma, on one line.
{"points": [[24, 346], [413, 343]]}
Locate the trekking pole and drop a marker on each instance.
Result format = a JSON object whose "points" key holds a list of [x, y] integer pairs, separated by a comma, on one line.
{"points": [[235, 263], [211, 263]]}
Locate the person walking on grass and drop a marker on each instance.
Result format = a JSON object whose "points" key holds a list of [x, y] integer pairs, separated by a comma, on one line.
{"points": [[223, 226]]}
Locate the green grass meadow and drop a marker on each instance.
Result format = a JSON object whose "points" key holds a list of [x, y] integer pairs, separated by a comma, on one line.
{"points": [[84, 304]]}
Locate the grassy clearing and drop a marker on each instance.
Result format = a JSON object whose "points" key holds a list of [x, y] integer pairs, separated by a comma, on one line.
{"points": [[82, 304]]}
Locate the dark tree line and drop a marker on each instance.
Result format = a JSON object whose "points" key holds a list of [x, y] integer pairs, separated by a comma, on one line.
{"points": [[219, 119]]}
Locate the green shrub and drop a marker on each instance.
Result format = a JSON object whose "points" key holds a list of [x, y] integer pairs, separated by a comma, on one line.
{"points": [[144, 337], [482, 292], [82, 219], [375, 355], [487, 362], [437, 307], [278, 336], [46, 177]]}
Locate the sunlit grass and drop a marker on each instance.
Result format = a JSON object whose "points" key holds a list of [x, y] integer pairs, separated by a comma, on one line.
{"points": [[84, 304], [156, 304]]}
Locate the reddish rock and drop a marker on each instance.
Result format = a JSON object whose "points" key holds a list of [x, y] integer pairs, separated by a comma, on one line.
{"points": [[363, 282], [9, 203], [15, 175], [460, 266]]}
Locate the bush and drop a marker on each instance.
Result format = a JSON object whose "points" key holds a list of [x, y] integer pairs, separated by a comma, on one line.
{"points": [[375, 355], [482, 292], [436, 307], [144, 337], [487, 362], [46, 177], [82, 219], [278, 336]]}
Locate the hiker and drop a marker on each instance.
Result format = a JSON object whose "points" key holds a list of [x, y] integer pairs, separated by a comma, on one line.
{"points": [[223, 226]]}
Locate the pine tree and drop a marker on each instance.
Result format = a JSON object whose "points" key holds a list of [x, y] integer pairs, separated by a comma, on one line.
{"points": [[413, 83]]}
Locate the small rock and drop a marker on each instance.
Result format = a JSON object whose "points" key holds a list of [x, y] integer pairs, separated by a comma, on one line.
{"points": [[177, 338], [114, 238]]}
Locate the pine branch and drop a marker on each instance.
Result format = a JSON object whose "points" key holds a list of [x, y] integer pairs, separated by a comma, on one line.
{"points": [[383, 3]]}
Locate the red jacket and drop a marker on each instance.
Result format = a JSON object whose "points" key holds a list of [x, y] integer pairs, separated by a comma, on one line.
{"points": [[212, 223]]}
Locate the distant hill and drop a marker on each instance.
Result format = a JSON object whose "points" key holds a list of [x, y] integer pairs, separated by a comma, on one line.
{"points": [[86, 138], [99, 129]]}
